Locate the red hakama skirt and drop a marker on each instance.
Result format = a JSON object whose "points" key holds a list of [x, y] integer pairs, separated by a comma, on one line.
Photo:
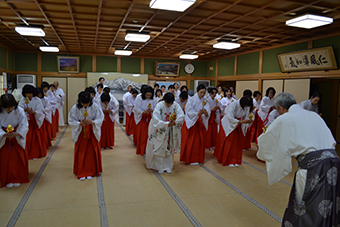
{"points": [[253, 128], [259, 127], [49, 132], [229, 149], [107, 138], [129, 123], [13, 163], [192, 148], [87, 156], [55, 123], [34, 147], [141, 134], [211, 134], [43, 136]]}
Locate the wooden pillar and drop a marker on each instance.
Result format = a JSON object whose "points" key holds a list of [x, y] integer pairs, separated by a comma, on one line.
{"points": [[39, 62], [261, 62], [6, 58], [94, 63], [260, 84], [235, 66], [119, 64], [142, 69]]}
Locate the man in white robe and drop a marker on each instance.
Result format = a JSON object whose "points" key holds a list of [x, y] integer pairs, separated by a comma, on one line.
{"points": [[60, 96], [303, 135], [164, 135]]}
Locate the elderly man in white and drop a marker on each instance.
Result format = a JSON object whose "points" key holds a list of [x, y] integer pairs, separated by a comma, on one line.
{"points": [[60, 97], [302, 134]]}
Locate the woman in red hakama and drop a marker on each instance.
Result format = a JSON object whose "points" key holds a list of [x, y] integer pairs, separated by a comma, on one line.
{"points": [[144, 106], [47, 110], [33, 107], [229, 147], [86, 119], [197, 113], [214, 120], [110, 107], [13, 158], [130, 118]]}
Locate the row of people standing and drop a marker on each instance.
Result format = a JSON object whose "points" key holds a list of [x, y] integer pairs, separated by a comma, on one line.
{"points": [[27, 130]]}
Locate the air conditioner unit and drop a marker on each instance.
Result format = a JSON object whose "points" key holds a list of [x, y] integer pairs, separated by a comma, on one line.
{"points": [[198, 82], [23, 79]]}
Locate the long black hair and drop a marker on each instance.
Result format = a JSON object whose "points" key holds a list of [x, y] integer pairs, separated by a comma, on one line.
{"points": [[134, 91], [84, 97], [7, 101], [169, 98], [200, 87], [90, 90], [29, 89], [225, 92], [148, 89], [247, 101], [268, 90], [105, 97], [40, 91]]}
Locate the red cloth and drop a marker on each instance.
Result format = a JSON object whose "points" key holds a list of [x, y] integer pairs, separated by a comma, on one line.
{"points": [[43, 136], [87, 155], [49, 133], [55, 121], [129, 124], [107, 138], [246, 139], [54, 130], [13, 163], [259, 128], [192, 147], [141, 134], [229, 149], [34, 147], [211, 133], [253, 128]]}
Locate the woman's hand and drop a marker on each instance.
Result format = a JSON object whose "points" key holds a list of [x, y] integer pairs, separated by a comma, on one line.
{"points": [[11, 135], [172, 123]]}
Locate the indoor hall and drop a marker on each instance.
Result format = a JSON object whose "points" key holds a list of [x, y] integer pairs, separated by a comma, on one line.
{"points": [[127, 194]]}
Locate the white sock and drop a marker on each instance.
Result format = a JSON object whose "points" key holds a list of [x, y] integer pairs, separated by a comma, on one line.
{"points": [[83, 178], [89, 178], [9, 185], [169, 171], [16, 184], [231, 165], [237, 165], [194, 163], [160, 171]]}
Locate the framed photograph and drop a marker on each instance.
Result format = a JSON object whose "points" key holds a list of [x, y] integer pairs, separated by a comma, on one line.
{"points": [[68, 64], [167, 69], [322, 58]]}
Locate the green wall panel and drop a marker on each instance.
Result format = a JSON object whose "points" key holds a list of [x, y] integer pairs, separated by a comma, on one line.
{"points": [[106, 64], [270, 62], [49, 62], [149, 65], [226, 66], [201, 68], [85, 63], [192, 84], [248, 63], [333, 41], [130, 65], [10, 60], [2, 58], [26, 61], [212, 73], [212, 83]]}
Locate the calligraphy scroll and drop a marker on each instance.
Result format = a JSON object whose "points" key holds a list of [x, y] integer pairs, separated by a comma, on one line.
{"points": [[308, 60]]}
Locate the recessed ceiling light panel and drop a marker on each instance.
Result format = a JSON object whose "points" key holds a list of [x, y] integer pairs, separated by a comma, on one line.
{"points": [[309, 21], [30, 31], [188, 56], [137, 37], [123, 52], [172, 5], [226, 45], [49, 49]]}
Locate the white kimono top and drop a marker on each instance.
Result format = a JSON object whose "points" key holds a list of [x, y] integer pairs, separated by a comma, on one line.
{"points": [[165, 140], [125, 96], [230, 122], [177, 93], [265, 105], [113, 105], [272, 116], [225, 102], [52, 100], [59, 92], [192, 107], [307, 105], [16, 118], [181, 104], [219, 96], [142, 105], [130, 102], [47, 109], [212, 104], [75, 116], [36, 105], [256, 104], [294, 133]]}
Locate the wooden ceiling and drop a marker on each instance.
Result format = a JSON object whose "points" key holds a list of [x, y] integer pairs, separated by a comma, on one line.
{"points": [[99, 26]]}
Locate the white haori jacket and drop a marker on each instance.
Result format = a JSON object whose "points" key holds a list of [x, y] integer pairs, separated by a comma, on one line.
{"points": [[181, 104], [36, 105], [75, 116], [225, 102], [256, 104], [113, 105], [163, 140], [125, 97], [307, 105], [229, 121], [52, 100], [130, 102], [47, 109], [60, 95], [265, 105], [140, 106], [212, 104], [272, 116], [16, 118], [192, 107]]}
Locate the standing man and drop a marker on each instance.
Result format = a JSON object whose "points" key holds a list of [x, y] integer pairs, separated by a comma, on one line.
{"points": [[60, 98], [302, 134], [102, 81]]}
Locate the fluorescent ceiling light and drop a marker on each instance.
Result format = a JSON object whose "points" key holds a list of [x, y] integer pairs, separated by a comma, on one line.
{"points": [[30, 31], [135, 75], [137, 37], [49, 49], [123, 52], [226, 45], [309, 21], [188, 56], [172, 5]]}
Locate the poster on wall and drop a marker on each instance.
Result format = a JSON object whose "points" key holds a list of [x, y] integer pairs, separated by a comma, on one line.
{"points": [[167, 69], [308, 60], [68, 64]]}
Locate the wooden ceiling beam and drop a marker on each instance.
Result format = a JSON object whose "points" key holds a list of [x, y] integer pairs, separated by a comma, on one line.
{"points": [[73, 22], [97, 24]]}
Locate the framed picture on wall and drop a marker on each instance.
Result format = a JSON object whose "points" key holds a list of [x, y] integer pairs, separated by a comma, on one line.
{"points": [[68, 64], [167, 69]]}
